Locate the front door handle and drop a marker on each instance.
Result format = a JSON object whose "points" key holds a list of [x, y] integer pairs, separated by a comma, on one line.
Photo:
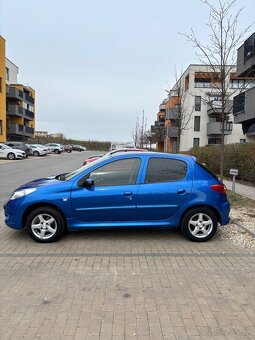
{"points": [[128, 193], [181, 191]]}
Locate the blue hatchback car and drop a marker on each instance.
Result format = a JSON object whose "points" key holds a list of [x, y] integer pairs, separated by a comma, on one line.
{"points": [[131, 189]]}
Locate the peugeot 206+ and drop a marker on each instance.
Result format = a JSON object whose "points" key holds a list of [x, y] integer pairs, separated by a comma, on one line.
{"points": [[130, 189]]}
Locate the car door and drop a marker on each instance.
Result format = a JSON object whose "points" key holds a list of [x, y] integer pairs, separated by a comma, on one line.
{"points": [[164, 189], [3, 153], [113, 196]]}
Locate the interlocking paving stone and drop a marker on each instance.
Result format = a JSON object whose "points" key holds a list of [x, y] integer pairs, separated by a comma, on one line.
{"points": [[125, 284]]}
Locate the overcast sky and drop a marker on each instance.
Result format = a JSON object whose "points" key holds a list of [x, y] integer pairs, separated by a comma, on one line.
{"points": [[95, 65]]}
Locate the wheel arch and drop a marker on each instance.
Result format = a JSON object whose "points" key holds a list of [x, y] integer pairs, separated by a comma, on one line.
{"points": [[39, 205], [214, 210]]}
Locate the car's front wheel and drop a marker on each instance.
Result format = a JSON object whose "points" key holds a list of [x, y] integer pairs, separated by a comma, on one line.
{"points": [[11, 156], [45, 224], [36, 153], [199, 224], [57, 151]]}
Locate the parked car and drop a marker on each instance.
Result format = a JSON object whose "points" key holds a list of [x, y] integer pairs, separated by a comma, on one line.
{"points": [[38, 150], [45, 147], [146, 189], [78, 147], [20, 146], [121, 145], [55, 147], [94, 158], [68, 148], [10, 153]]}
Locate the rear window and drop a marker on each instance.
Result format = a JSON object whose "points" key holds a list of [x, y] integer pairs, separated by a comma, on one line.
{"points": [[162, 170], [207, 170]]}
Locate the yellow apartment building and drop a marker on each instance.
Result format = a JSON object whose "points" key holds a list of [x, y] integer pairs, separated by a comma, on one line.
{"points": [[17, 102]]}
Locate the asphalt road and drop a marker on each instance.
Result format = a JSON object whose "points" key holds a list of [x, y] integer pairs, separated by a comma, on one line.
{"points": [[15, 173]]}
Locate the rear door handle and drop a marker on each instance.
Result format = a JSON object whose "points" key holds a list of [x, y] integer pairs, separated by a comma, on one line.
{"points": [[181, 191]]}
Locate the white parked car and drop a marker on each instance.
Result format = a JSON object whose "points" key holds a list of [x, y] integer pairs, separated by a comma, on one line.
{"points": [[38, 150], [44, 147], [10, 153], [55, 147]]}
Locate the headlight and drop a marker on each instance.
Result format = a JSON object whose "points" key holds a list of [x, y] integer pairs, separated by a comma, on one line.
{"points": [[21, 193]]}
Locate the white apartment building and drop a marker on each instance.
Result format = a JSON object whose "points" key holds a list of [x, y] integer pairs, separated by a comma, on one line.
{"points": [[200, 100]]}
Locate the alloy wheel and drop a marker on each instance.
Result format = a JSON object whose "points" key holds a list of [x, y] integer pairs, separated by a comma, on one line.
{"points": [[200, 225]]}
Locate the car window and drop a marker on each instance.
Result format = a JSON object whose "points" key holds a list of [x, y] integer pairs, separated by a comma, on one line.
{"points": [[120, 172], [162, 170]]}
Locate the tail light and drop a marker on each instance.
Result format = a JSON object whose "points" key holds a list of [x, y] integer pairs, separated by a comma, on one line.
{"points": [[220, 188]]}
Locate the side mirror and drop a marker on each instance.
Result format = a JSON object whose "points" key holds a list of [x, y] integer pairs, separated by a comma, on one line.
{"points": [[88, 183]]}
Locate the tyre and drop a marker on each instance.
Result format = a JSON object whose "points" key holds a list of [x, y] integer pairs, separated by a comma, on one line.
{"points": [[199, 224], [45, 224], [11, 156], [36, 153], [56, 151]]}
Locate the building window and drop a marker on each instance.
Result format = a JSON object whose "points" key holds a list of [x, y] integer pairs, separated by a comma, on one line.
{"points": [[214, 141], [242, 141], [187, 82], [195, 142], [197, 123], [197, 103], [6, 73], [0, 85], [1, 127]]}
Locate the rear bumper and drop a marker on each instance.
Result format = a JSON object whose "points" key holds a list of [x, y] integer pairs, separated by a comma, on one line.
{"points": [[224, 211]]}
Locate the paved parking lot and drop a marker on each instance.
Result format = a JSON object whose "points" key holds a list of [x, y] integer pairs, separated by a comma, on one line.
{"points": [[124, 284]]}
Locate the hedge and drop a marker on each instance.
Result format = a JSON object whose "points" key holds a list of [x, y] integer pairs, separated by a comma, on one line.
{"points": [[237, 156]]}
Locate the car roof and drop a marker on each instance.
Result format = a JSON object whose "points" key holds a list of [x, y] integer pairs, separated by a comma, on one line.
{"points": [[153, 153]]}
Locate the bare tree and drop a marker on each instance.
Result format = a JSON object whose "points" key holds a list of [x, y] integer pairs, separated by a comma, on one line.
{"points": [[220, 54], [139, 132]]}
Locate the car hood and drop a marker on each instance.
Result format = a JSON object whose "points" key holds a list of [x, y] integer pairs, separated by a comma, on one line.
{"points": [[41, 182], [17, 150]]}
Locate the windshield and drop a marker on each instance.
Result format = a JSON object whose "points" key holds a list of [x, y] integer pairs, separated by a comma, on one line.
{"points": [[76, 172]]}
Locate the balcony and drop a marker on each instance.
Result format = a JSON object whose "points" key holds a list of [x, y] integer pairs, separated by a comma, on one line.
{"points": [[172, 131], [171, 114], [29, 132], [14, 93], [16, 110], [162, 107], [244, 107], [19, 129], [246, 58], [251, 131], [29, 114], [214, 128], [15, 129], [29, 99], [214, 107]]}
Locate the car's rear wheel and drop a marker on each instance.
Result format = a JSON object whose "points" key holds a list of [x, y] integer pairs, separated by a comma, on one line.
{"points": [[45, 224], [36, 153], [11, 156], [199, 224]]}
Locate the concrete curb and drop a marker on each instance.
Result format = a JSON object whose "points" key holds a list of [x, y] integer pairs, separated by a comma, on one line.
{"points": [[247, 230]]}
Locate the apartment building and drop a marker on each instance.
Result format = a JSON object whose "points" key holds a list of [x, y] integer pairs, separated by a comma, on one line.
{"points": [[17, 102], [196, 94], [244, 103]]}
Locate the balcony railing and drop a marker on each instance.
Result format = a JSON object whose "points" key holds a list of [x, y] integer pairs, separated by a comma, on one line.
{"points": [[29, 99], [244, 106], [214, 128], [14, 93], [19, 129], [214, 107], [16, 110]]}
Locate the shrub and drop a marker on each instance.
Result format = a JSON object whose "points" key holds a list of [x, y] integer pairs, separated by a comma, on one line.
{"points": [[237, 156]]}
